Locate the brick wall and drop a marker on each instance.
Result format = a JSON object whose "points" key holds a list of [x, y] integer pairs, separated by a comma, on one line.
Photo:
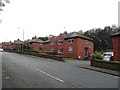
{"points": [[116, 47], [35, 46]]}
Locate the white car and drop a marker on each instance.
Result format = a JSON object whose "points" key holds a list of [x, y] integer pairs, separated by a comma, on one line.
{"points": [[107, 57], [1, 50]]}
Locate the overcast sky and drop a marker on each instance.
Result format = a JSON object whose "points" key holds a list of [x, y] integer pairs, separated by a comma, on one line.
{"points": [[44, 17]]}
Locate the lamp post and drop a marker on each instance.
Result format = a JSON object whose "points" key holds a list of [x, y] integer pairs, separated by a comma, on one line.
{"points": [[23, 40]]}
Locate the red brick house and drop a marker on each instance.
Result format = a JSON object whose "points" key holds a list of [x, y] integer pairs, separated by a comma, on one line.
{"points": [[36, 43], [46, 46], [71, 45], [17, 44], [53, 44], [7, 45], [116, 46], [77, 46]]}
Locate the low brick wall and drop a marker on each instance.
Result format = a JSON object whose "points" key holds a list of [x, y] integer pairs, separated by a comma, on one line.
{"points": [[59, 58], [106, 64]]}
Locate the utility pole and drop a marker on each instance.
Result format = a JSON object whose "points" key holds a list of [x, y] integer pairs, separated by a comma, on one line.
{"points": [[23, 41]]}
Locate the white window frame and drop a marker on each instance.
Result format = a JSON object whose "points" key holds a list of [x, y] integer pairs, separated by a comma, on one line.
{"points": [[70, 49], [52, 49], [60, 42], [70, 40], [52, 43], [86, 41], [46, 44], [59, 50]]}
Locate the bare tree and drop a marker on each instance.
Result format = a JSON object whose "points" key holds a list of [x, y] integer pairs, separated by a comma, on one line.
{"points": [[2, 4]]}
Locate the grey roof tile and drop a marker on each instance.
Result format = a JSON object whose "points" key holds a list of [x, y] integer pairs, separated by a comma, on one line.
{"points": [[36, 40], [116, 34], [75, 35]]}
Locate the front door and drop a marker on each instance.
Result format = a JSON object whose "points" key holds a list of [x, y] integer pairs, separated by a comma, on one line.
{"points": [[86, 52]]}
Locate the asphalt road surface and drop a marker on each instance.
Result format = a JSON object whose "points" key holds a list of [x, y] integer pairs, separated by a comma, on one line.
{"points": [[24, 71]]}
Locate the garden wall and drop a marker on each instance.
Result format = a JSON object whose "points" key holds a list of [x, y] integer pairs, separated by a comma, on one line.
{"points": [[59, 58], [106, 64]]}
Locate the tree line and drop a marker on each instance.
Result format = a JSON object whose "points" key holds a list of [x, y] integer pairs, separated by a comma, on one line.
{"points": [[102, 37]]}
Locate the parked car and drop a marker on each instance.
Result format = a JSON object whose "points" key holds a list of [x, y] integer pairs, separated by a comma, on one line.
{"points": [[1, 50], [107, 57]]}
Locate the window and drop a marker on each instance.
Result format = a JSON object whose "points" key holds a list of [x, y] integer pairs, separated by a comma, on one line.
{"points": [[52, 49], [60, 50], [60, 42], [46, 44], [70, 49], [70, 40], [52, 43], [86, 41]]}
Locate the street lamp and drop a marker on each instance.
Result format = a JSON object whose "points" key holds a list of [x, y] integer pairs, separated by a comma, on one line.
{"points": [[23, 40]]}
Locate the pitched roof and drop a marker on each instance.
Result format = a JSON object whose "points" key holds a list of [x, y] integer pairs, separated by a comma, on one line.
{"points": [[54, 38], [18, 42], [116, 34], [75, 35], [47, 41], [36, 40]]}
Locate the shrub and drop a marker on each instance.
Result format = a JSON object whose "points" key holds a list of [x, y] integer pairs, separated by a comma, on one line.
{"points": [[43, 52], [97, 55], [26, 46], [69, 59], [31, 50], [48, 52]]}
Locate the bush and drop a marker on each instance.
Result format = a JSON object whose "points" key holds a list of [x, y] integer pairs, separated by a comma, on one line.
{"points": [[69, 59], [97, 55], [31, 50], [48, 52], [26, 46], [43, 52]]}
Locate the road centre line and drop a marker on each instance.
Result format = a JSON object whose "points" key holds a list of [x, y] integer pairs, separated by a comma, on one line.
{"points": [[49, 75]]}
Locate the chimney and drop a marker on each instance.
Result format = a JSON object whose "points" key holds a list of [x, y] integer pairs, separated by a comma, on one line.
{"points": [[65, 32], [34, 37], [60, 33]]}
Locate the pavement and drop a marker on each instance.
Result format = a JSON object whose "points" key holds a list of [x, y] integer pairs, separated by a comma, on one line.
{"points": [[86, 65], [25, 71]]}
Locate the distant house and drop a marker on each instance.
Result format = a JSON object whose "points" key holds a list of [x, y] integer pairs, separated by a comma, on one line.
{"points": [[116, 46], [36, 43], [7, 45], [17, 44], [12, 46]]}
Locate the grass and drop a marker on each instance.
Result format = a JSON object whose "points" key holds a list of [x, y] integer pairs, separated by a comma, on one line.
{"points": [[69, 59]]}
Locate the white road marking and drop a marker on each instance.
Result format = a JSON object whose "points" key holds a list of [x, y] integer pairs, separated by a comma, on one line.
{"points": [[49, 75]]}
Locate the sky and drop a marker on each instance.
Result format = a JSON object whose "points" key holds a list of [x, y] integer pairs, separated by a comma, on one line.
{"points": [[44, 17]]}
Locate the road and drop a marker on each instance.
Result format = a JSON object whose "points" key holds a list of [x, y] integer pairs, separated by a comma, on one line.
{"points": [[24, 71]]}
